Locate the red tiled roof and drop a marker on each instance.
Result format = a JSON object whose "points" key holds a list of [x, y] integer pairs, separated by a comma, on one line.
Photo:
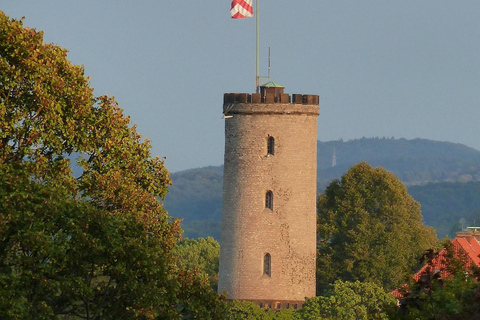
{"points": [[437, 263], [466, 246], [470, 246]]}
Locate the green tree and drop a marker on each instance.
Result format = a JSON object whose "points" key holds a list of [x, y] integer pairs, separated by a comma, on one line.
{"points": [[97, 245], [60, 256], [239, 310], [203, 255], [349, 300], [370, 229], [244, 310]]}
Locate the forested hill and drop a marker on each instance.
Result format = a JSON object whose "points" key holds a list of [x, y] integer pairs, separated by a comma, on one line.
{"points": [[415, 162], [449, 206], [196, 197], [196, 194]]}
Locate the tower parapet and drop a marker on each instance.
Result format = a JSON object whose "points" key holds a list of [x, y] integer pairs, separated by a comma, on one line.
{"points": [[268, 241], [270, 97]]}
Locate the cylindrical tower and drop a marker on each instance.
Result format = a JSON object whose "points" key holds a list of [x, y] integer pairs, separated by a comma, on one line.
{"points": [[268, 240]]}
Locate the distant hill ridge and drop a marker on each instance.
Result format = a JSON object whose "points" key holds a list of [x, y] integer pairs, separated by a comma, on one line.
{"points": [[417, 161], [196, 194]]}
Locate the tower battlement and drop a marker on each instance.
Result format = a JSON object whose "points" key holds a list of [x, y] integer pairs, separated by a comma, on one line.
{"points": [[270, 97]]}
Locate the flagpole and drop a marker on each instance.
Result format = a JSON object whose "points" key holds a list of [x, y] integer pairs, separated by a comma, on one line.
{"points": [[257, 78]]}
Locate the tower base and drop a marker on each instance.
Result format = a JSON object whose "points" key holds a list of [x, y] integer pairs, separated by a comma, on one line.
{"points": [[276, 304]]}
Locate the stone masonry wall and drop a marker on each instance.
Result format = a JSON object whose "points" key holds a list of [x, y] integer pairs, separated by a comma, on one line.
{"points": [[249, 230]]}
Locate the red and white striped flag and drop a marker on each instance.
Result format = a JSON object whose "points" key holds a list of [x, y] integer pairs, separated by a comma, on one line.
{"points": [[241, 9]]}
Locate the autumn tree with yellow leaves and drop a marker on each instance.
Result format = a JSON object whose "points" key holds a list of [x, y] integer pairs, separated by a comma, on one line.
{"points": [[97, 245]]}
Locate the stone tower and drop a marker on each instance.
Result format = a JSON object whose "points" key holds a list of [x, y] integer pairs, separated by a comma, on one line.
{"points": [[268, 240]]}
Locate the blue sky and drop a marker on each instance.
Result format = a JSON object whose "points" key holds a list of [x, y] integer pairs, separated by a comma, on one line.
{"points": [[403, 69]]}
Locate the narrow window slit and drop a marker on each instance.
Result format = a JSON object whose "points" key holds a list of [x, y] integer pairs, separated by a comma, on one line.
{"points": [[269, 200], [271, 146], [267, 265]]}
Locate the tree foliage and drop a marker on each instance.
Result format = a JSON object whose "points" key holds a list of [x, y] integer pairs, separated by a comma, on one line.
{"points": [[60, 256], [202, 255], [349, 300], [48, 115], [244, 310], [370, 229], [98, 245]]}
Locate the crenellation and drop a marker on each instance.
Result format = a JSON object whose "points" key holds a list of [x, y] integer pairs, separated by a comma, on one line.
{"points": [[269, 98]]}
